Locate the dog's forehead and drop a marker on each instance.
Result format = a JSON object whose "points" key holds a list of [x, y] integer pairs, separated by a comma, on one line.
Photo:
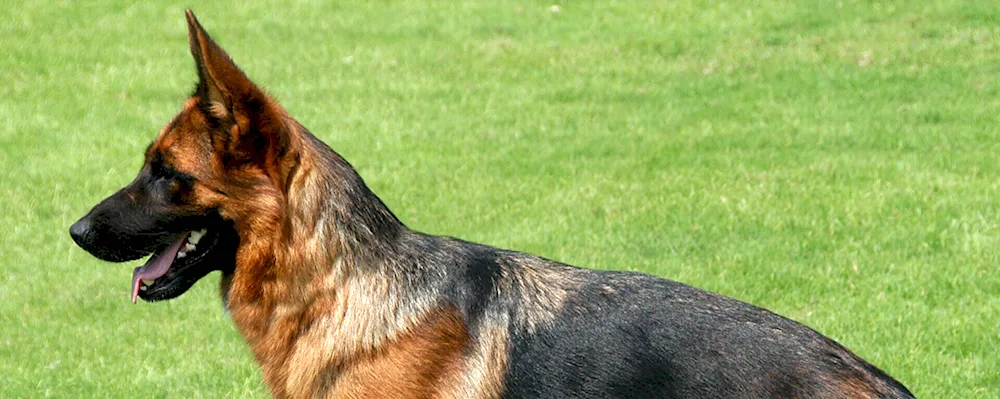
{"points": [[182, 142]]}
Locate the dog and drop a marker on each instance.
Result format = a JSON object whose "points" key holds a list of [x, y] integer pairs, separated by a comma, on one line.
{"points": [[339, 299]]}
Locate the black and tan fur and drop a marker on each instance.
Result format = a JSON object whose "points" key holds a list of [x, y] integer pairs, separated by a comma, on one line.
{"points": [[338, 299]]}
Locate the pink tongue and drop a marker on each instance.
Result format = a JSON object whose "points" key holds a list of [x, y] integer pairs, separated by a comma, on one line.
{"points": [[156, 266]]}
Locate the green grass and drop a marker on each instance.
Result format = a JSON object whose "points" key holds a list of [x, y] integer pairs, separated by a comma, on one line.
{"points": [[834, 162]]}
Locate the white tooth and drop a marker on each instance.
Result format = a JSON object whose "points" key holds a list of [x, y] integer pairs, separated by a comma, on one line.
{"points": [[189, 246], [203, 231], [142, 288], [195, 236], [147, 282], [181, 254]]}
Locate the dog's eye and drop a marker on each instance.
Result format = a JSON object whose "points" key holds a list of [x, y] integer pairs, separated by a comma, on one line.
{"points": [[163, 176], [172, 182], [161, 171]]}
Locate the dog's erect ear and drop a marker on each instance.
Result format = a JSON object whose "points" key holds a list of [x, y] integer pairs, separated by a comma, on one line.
{"points": [[255, 130], [221, 84]]}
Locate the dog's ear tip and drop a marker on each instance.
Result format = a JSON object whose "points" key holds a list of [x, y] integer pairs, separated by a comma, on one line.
{"points": [[192, 21]]}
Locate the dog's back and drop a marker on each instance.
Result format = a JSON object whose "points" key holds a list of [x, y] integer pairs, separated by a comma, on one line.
{"points": [[578, 333]]}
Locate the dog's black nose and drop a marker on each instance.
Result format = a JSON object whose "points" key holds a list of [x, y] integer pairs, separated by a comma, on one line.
{"points": [[79, 230]]}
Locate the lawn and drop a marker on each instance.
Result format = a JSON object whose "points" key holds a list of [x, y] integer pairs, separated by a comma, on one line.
{"points": [[835, 162]]}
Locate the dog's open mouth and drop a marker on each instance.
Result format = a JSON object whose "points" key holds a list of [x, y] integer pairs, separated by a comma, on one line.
{"points": [[173, 269]]}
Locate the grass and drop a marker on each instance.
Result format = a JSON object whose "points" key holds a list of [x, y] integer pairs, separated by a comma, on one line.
{"points": [[836, 163]]}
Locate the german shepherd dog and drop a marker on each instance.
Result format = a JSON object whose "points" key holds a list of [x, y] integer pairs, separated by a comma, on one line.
{"points": [[338, 299]]}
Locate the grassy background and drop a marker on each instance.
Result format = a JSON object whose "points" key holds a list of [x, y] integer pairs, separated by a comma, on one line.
{"points": [[836, 163]]}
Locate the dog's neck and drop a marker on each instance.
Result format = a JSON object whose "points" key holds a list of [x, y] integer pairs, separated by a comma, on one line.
{"points": [[335, 242], [327, 216]]}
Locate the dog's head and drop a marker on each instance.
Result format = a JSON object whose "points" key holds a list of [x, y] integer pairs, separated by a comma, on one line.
{"points": [[217, 163]]}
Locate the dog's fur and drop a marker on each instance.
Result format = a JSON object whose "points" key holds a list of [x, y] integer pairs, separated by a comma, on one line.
{"points": [[338, 299]]}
